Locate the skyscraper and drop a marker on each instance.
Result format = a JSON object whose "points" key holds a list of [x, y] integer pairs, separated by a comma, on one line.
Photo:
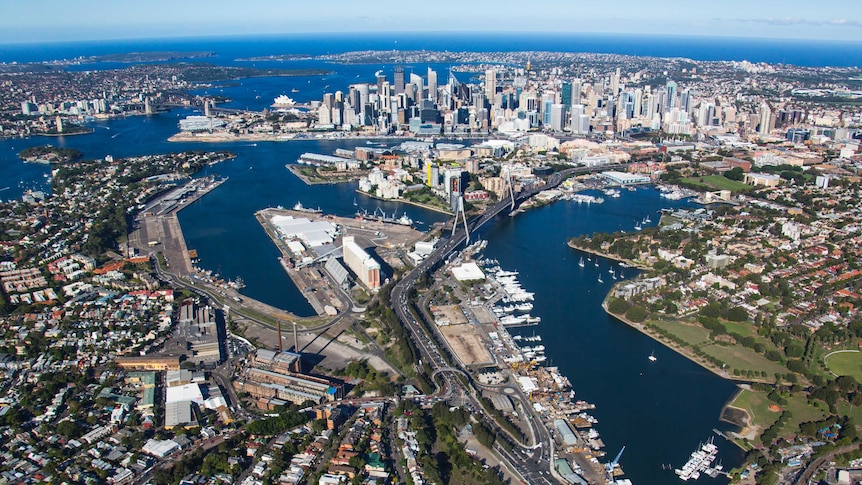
{"points": [[558, 117], [432, 84], [566, 94], [417, 80], [399, 80], [490, 84], [765, 119], [615, 82], [576, 91], [670, 99]]}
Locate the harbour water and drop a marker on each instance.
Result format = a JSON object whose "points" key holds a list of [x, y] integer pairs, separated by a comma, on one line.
{"points": [[658, 410]]}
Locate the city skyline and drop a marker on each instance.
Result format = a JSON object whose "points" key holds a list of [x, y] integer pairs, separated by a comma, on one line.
{"points": [[54, 21]]}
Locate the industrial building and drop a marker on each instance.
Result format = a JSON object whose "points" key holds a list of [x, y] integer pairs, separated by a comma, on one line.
{"points": [[152, 363], [312, 233], [623, 178], [276, 361], [273, 378], [367, 269], [203, 334]]}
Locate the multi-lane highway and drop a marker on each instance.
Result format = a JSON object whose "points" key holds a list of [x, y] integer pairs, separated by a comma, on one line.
{"points": [[533, 462]]}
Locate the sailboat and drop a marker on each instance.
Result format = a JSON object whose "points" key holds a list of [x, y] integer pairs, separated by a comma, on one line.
{"points": [[613, 275], [597, 263], [652, 357], [600, 279], [354, 201], [638, 226], [581, 262]]}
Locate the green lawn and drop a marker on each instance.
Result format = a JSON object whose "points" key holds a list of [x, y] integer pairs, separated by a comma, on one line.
{"points": [[742, 358], [717, 182], [746, 329], [758, 408], [846, 364], [691, 334], [757, 405]]}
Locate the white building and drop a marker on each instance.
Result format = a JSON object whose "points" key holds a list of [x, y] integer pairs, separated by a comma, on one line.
{"points": [[361, 263]]}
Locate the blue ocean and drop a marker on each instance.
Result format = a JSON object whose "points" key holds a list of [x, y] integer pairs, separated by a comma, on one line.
{"points": [[798, 52]]}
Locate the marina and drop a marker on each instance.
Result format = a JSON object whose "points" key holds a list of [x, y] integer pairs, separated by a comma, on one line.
{"points": [[700, 463], [585, 344]]}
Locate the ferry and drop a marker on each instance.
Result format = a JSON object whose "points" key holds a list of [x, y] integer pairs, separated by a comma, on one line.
{"points": [[299, 207]]}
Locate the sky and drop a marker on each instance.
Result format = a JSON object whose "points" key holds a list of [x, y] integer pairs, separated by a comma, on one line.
{"points": [[64, 20]]}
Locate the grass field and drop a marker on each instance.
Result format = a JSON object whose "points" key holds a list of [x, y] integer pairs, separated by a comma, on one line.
{"points": [[757, 405], [744, 359], [845, 364], [746, 329], [693, 335], [717, 182]]}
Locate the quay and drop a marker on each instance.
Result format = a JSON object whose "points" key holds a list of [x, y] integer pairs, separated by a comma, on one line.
{"points": [[157, 230], [325, 295]]}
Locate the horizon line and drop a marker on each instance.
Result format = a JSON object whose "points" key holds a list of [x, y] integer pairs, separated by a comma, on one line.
{"points": [[367, 33]]}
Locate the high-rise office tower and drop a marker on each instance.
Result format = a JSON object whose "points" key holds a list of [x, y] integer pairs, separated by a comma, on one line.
{"points": [[615, 82], [381, 78], [417, 81], [558, 117], [670, 99], [399, 80], [685, 101], [490, 84], [638, 102], [566, 94], [765, 119], [576, 91], [432, 84]]}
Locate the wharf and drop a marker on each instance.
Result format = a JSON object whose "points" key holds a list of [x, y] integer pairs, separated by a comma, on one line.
{"points": [[334, 178], [320, 291]]}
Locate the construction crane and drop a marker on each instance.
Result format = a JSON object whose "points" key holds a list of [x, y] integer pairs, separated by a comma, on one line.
{"points": [[610, 466]]}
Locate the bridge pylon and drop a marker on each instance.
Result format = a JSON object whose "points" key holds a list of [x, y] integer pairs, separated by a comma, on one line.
{"points": [[507, 181], [460, 212]]}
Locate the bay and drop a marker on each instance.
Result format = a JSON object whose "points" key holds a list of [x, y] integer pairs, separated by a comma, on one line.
{"points": [[658, 410]]}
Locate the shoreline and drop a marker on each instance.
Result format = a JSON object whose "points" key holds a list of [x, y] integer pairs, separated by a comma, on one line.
{"points": [[218, 136], [405, 201], [270, 231], [612, 257], [685, 353], [294, 169]]}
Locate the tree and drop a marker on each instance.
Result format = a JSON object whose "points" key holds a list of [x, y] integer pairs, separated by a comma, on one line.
{"points": [[69, 429], [735, 173], [737, 314], [637, 314]]}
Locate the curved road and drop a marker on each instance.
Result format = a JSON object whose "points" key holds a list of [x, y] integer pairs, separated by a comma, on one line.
{"points": [[533, 465]]}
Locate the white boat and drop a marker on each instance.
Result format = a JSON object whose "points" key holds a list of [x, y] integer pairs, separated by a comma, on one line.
{"points": [[600, 279], [581, 262], [299, 207], [652, 357]]}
